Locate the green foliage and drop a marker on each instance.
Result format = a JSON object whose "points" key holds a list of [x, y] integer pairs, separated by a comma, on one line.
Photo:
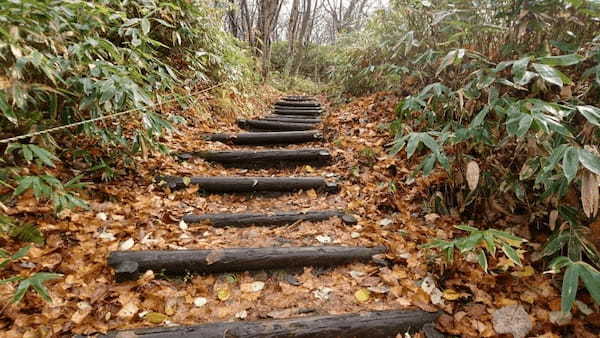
{"points": [[481, 242], [21, 231], [35, 281], [512, 86], [48, 187], [575, 271]]}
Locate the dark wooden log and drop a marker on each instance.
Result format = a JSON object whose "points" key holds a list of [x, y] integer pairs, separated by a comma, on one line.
{"points": [[299, 117], [249, 156], [129, 264], [298, 98], [297, 104], [297, 112], [431, 332], [298, 108], [274, 125], [376, 324], [227, 184], [266, 138], [284, 119], [276, 219]]}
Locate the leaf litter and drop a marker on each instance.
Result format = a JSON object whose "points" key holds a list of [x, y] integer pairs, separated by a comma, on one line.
{"points": [[135, 213]]}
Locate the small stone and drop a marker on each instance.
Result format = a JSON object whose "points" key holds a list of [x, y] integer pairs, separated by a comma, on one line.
{"points": [[354, 234], [200, 301]]}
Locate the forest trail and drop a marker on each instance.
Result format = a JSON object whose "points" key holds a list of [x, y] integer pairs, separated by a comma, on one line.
{"points": [[276, 242]]}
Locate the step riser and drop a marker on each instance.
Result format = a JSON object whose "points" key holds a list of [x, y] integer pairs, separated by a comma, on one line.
{"points": [[302, 117], [274, 126], [297, 104], [246, 220], [130, 264], [233, 157], [282, 119], [297, 113], [251, 184], [292, 137], [377, 324]]}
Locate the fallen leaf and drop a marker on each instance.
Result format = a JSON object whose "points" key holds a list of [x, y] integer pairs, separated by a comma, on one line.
{"points": [[252, 287], [472, 175], [362, 295], [223, 294], [200, 301], [512, 319], [322, 293], [128, 244], [324, 239], [155, 317], [128, 311]]}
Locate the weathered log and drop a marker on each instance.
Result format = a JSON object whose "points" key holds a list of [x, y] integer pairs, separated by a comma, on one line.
{"points": [[276, 219], [299, 117], [249, 156], [289, 137], [376, 324], [298, 98], [297, 104], [129, 264], [284, 119], [274, 125], [227, 184], [297, 112]]}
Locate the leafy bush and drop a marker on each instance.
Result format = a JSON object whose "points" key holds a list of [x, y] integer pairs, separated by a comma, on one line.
{"points": [[503, 95], [66, 61]]}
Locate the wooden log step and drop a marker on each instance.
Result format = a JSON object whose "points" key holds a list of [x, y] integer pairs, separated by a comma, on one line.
{"points": [[274, 125], [317, 108], [297, 104], [298, 98], [297, 112], [285, 119], [129, 264], [375, 324], [268, 138], [276, 219], [249, 157], [240, 184], [288, 116]]}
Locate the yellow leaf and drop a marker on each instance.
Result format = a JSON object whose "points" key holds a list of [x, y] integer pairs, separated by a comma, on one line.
{"points": [[223, 294], [186, 181], [526, 272], [155, 317], [450, 294], [309, 169], [362, 295]]}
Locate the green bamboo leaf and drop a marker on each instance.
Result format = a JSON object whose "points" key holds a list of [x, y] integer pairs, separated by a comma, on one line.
{"points": [[569, 288], [44, 155], [511, 253], [482, 260], [550, 74], [590, 161], [561, 60], [591, 280], [591, 113], [570, 163]]}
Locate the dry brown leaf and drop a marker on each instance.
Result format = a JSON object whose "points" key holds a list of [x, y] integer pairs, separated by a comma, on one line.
{"points": [[589, 194], [472, 175]]}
